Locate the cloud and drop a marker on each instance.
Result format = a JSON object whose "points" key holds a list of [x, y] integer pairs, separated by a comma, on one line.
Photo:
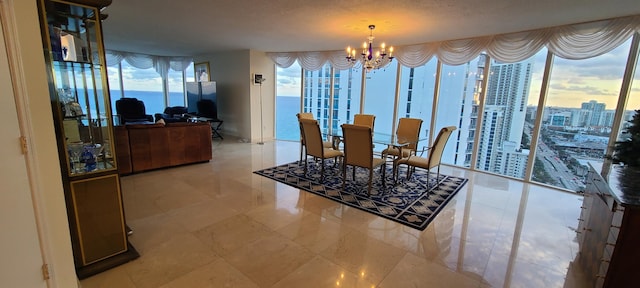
{"points": [[589, 90], [288, 83], [286, 80], [609, 66], [575, 80]]}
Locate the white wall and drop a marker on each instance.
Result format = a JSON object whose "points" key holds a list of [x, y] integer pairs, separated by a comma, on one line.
{"points": [[238, 98], [228, 69], [262, 129], [24, 46], [19, 267]]}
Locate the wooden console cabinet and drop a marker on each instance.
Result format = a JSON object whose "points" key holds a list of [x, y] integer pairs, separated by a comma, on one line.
{"points": [[144, 147], [608, 231]]}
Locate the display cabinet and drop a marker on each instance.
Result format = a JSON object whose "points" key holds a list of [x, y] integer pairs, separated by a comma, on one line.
{"points": [[80, 103]]}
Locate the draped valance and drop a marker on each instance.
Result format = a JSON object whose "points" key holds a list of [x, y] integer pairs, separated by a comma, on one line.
{"points": [[577, 41], [142, 61]]}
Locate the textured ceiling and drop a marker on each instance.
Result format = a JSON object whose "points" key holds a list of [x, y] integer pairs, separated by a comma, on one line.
{"points": [[197, 27]]}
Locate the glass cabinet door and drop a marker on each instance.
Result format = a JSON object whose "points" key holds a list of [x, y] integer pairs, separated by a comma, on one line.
{"points": [[82, 94]]}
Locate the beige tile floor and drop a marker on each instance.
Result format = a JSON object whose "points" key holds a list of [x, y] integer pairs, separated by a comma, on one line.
{"points": [[217, 224]]}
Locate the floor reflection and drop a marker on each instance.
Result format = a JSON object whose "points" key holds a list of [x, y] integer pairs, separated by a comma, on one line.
{"points": [[496, 232]]}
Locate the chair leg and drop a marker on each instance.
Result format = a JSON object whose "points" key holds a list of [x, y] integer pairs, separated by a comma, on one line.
{"points": [[394, 172], [305, 164], [301, 147], [384, 170], [344, 174], [429, 174], [370, 177]]}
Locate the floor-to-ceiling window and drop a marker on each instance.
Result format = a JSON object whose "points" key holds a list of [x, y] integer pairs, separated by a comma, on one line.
{"points": [[115, 89], [633, 100], [343, 103], [347, 87], [126, 80], [578, 117], [457, 106], [176, 81], [144, 84], [317, 95], [379, 97], [506, 127], [288, 97], [416, 96]]}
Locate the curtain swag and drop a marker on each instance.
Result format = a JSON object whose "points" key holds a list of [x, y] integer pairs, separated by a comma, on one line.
{"points": [[142, 61], [577, 41]]}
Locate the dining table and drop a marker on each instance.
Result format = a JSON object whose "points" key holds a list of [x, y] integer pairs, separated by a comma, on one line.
{"points": [[388, 139]]}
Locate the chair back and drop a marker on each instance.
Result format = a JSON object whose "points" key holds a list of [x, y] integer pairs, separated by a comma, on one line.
{"points": [[409, 129], [312, 137], [175, 111], [131, 110], [367, 120], [207, 108], [304, 115], [435, 153], [358, 145]]}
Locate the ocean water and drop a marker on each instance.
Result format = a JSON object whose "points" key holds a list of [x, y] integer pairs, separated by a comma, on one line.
{"points": [[286, 122]]}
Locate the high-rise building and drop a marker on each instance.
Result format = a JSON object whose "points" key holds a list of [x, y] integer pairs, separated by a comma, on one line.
{"points": [[560, 119], [606, 119], [513, 160], [317, 89], [596, 111], [503, 118], [580, 117]]}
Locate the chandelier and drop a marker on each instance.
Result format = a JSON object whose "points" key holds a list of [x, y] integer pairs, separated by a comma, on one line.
{"points": [[370, 61]]}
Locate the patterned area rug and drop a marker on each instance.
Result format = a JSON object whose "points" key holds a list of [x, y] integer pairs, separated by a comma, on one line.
{"points": [[414, 202]]}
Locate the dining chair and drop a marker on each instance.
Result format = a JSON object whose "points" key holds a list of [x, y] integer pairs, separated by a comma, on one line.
{"points": [[358, 152], [313, 145], [408, 131], [306, 115], [364, 120], [432, 160]]}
